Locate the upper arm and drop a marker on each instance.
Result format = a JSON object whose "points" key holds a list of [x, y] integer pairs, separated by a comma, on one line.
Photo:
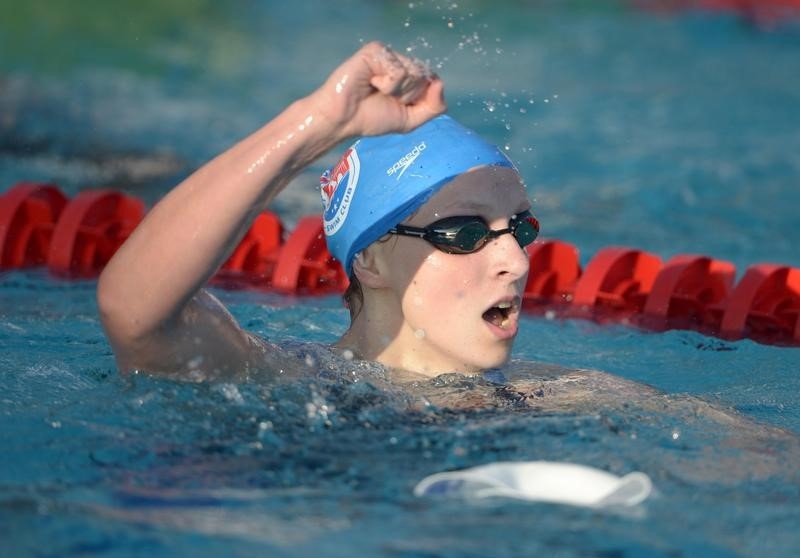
{"points": [[203, 341]]}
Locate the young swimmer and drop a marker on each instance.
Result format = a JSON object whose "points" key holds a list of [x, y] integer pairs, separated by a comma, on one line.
{"points": [[430, 221]]}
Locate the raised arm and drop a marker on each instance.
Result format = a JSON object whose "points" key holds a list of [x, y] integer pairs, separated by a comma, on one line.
{"points": [[152, 306]]}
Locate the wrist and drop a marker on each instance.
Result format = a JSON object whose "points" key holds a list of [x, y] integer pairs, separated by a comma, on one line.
{"points": [[293, 139], [329, 116]]}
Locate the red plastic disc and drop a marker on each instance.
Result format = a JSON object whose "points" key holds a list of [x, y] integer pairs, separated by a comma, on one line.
{"points": [[617, 280], [91, 228], [258, 251], [765, 304], [554, 269], [684, 288], [28, 213], [304, 265]]}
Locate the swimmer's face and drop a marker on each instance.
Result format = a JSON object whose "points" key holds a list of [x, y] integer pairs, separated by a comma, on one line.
{"points": [[460, 311]]}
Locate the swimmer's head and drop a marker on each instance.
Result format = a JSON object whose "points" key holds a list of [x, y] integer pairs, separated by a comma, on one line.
{"points": [[382, 180]]}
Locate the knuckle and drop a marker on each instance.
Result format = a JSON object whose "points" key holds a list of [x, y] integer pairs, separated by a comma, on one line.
{"points": [[374, 46]]}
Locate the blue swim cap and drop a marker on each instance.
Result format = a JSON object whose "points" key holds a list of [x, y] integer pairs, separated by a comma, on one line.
{"points": [[381, 180]]}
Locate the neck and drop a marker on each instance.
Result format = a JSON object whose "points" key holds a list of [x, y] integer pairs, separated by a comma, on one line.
{"points": [[379, 333]]}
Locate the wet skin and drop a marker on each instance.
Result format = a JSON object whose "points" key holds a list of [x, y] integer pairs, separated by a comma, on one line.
{"points": [[424, 309]]}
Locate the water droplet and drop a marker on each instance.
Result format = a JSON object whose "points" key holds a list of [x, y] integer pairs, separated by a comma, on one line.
{"points": [[231, 393], [264, 425], [195, 362], [433, 260], [419, 334], [340, 85]]}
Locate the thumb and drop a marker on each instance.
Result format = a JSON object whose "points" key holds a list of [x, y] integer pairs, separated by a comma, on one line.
{"points": [[430, 104]]}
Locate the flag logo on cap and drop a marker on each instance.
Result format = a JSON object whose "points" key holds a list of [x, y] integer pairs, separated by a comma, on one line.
{"points": [[337, 188]]}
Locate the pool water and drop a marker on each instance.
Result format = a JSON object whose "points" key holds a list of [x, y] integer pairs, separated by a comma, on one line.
{"points": [[672, 133]]}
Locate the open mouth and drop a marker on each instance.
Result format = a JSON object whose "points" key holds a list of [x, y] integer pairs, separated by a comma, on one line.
{"points": [[500, 314]]}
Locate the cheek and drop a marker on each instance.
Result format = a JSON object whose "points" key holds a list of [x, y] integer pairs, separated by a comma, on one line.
{"points": [[439, 282], [433, 262]]}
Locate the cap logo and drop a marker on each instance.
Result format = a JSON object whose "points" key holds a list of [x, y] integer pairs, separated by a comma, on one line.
{"points": [[337, 188], [406, 161]]}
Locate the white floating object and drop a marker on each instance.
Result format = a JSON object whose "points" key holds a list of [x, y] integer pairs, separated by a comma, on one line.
{"points": [[540, 481]]}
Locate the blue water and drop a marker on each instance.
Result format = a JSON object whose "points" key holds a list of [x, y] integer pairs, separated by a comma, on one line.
{"points": [[670, 133]]}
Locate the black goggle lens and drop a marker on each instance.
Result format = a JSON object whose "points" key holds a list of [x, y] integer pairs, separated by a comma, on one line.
{"points": [[526, 229], [469, 237]]}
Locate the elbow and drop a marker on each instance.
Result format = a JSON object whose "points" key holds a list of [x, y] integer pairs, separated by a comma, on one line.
{"points": [[107, 299], [116, 312], [123, 326]]}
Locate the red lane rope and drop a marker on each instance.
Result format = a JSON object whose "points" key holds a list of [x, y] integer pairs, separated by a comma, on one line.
{"points": [[76, 237]]}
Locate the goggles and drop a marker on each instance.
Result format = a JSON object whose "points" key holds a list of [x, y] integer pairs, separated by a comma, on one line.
{"points": [[468, 234]]}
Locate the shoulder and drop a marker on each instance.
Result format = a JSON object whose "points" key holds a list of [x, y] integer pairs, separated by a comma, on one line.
{"points": [[293, 359], [538, 387]]}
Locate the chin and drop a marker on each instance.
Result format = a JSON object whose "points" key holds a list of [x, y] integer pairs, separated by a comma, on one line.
{"points": [[492, 361]]}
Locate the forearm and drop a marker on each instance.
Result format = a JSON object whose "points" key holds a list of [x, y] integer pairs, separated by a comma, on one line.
{"points": [[187, 235], [145, 294]]}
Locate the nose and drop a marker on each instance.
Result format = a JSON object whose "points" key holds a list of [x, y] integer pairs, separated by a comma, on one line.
{"points": [[509, 258]]}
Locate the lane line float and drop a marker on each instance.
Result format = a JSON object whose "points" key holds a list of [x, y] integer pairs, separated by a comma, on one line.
{"points": [[40, 226]]}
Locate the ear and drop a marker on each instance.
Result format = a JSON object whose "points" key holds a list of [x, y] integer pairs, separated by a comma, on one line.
{"points": [[368, 268]]}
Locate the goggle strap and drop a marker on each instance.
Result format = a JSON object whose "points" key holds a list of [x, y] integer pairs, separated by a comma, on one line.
{"points": [[408, 231]]}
